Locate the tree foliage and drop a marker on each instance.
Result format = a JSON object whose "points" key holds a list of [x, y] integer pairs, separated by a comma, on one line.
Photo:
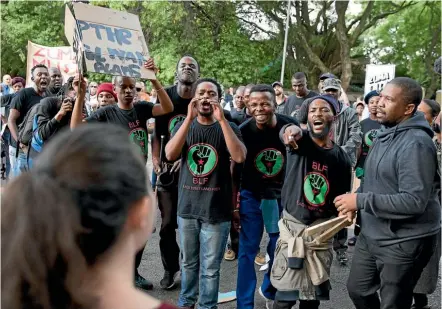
{"points": [[239, 42], [412, 41]]}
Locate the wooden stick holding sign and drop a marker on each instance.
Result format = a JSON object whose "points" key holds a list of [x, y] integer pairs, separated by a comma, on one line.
{"points": [[107, 41]]}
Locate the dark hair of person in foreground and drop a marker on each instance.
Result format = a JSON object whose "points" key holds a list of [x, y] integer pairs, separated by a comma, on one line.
{"points": [[72, 225]]}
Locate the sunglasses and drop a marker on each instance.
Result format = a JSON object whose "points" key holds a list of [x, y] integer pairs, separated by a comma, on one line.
{"points": [[138, 89]]}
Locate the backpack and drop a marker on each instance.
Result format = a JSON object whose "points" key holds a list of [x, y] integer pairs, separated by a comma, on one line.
{"points": [[25, 128]]}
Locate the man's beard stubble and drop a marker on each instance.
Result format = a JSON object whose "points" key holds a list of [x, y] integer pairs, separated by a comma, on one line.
{"points": [[324, 133]]}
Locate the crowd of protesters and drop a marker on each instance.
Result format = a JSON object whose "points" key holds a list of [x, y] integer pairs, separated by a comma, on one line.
{"points": [[78, 208]]}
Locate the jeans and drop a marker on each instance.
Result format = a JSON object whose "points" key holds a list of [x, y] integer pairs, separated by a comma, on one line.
{"points": [[393, 270], [202, 247], [167, 203], [18, 165], [252, 227]]}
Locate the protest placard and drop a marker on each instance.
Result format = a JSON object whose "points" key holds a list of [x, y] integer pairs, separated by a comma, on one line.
{"points": [[377, 76], [107, 41], [61, 57]]}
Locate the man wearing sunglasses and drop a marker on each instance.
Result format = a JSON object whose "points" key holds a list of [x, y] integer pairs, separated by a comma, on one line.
{"points": [[141, 92]]}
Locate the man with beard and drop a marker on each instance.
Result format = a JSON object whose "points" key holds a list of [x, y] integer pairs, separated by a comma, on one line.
{"points": [[56, 81], [206, 141], [132, 117], [317, 171], [346, 133], [241, 113], [20, 105], [187, 73], [260, 180], [294, 102], [281, 98], [398, 201]]}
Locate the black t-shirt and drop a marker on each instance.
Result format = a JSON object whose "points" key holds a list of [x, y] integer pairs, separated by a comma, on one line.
{"points": [[133, 120], [294, 103], [264, 168], [205, 182], [165, 124], [239, 117], [314, 177], [23, 102], [370, 130]]}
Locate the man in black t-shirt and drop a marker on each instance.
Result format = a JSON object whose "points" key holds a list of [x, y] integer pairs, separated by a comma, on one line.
{"points": [[205, 203], [55, 82], [317, 171], [132, 117], [294, 102], [260, 180], [20, 105], [187, 73]]}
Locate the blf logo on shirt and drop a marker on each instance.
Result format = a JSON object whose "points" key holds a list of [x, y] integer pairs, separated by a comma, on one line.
{"points": [[202, 159], [315, 189], [174, 121], [139, 137], [269, 162], [370, 136]]}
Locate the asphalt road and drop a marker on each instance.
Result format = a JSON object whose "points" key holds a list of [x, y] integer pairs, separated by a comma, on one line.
{"points": [[151, 268]]}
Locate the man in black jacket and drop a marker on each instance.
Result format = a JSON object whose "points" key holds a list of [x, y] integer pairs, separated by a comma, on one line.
{"points": [[398, 203]]}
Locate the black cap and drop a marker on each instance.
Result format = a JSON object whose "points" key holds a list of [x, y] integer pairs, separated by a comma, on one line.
{"points": [[327, 75], [329, 99], [277, 83], [369, 95]]}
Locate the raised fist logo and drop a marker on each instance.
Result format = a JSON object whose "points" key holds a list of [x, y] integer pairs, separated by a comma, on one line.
{"points": [[201, 159], [370, 136], [269, 158], [269, 162], [315, 189], [139, 137], [174, 121]]}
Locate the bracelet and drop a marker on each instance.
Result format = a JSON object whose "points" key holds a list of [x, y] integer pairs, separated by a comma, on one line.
{"points": [[162, 88], [236, 210]]}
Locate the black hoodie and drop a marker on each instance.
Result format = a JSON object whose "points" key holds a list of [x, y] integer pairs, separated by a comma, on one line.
{"points": [[399, 199]]}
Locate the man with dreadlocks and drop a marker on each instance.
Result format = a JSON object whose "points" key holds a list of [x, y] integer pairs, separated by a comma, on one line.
{"points": [[20, 105]]}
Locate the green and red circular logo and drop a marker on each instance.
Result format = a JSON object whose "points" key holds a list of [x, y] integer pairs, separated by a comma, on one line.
{"points": [[174, 121], [139, 137], [201, 159], [370, 136], [315, 189], [269, 162]]}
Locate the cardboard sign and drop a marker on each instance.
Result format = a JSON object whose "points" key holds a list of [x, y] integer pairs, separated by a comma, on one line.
{"points": [[61, 57], [377, 76], [107, 41]]}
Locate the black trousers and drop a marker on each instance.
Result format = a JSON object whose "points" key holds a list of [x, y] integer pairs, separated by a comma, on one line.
{"points": [[169, 249], [339, 241], [393, 270], [138, 260], [303, 304]]}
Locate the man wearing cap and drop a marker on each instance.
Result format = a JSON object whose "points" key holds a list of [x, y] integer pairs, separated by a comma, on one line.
{"points": [[346, 132], [294, 102], [343, 98], [281, 98], [317, 171], [106, 95]]}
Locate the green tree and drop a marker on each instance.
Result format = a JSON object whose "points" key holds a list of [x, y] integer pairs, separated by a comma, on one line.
{"points": [[412, 41], [37, 21]]}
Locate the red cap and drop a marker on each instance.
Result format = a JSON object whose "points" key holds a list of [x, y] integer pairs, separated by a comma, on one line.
{"points": [[107, 87]]}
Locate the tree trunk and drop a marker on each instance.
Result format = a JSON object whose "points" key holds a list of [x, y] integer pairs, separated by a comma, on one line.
{"points": [[341, 34]]}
